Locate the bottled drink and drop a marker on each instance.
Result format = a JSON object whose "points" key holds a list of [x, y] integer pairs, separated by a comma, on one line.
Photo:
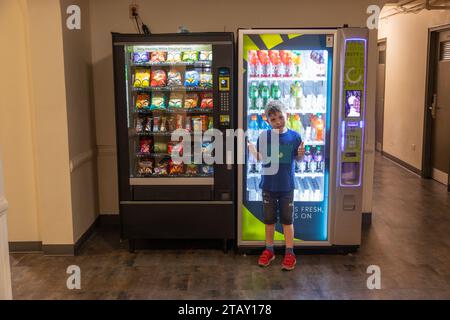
{"points": [[264, 93], [253, 94], [297, 60], [319, 126], [275, 91], [307, 158], [275, 60], [253, 127], [264, 123], [296, 124], [297, 94], [253, 63], [286, 59], [263, 56], [308, 133], [318, 158]]}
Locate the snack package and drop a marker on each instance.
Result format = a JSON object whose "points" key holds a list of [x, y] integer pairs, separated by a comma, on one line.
{"points": [[207, 169], [179, 121], [188, 124], [206, 80], [158, 101], [190, 100], [145, 145], [159, 78], [141, 57], [161, 167], [189, 56], [156, 124], [139, 125], [197, 123], [174, 78], [205, 55], [206, 100], [158, 56], [192, 78], [176, 100], [170, 123], [163, 124], [175, 168], [207, 147], [174, 56], [160, 147], [204, 119], [142, 101], [145, 167], [191, 169], [148, 124], [176, 148], [141, 78]]}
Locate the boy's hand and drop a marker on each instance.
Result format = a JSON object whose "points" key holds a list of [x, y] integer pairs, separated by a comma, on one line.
{"points": [[301, 150]]}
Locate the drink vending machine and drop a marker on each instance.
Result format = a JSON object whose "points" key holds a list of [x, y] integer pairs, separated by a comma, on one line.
{"points": [[320, 76]]}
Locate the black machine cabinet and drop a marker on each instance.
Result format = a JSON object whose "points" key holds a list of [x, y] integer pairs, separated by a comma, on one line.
{"points": [[165, 82]]}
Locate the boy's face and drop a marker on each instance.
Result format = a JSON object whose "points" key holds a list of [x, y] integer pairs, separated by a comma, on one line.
{"points": [[277, 120]]}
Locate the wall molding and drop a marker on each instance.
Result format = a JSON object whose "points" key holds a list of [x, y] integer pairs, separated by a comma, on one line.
{"points": [[106, 150], [402, 163], [3, 206], [80, 159]]}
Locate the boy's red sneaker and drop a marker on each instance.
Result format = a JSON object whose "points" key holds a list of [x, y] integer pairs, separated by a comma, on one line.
{"points": [[289, 262], [266, 258]]}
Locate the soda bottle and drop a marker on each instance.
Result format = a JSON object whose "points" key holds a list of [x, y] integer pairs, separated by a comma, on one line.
{"points": [[253, 94], [264, 123], [263, 56], [297, 60], [297, 93], [307, 158], [319, 126], [264, 93], [286, 59], [274, 56], [318, 158], [275, 91], [296, 124], [253, 63], [253, 127]]}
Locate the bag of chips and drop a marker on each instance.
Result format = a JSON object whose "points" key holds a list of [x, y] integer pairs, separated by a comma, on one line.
{"points": [[205, 55], [145, 167], [142, 101], [159, 78], [206, 80], [206, 100], [190, 100], [141, 57], [173, 56], [139, 125], [158, 101], [176, 168], [191, 169], [163, 124], [160, 147], [192, 78], [189, 56], [158, 56], [170, 123], [161, 167], [145, 145], [175, 148], [141, 78], [174, 78], [148, 124], [176, 100]]}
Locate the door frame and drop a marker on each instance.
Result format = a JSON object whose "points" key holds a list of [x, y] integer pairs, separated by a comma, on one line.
{"points": [[433, 37], [385, 41]]}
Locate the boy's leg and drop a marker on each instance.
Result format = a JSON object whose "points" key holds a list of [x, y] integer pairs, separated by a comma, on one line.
{"points": [[269, 207], [287, 217]]}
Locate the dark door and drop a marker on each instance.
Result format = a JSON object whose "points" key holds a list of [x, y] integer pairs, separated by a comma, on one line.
{"points": [[379, 110], [440, 111]]}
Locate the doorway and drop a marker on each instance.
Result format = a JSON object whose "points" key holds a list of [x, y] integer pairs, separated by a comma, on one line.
{"points": [[379, 108], [437, 107]]}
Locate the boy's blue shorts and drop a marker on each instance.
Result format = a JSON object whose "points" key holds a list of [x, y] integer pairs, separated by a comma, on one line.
{"points": [[282, 202]]}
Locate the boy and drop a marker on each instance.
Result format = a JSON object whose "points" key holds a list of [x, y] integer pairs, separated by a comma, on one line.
{"points": [[278, 188]]}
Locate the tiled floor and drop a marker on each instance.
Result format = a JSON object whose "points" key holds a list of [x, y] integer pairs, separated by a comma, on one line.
{"points": [[409, 240]]}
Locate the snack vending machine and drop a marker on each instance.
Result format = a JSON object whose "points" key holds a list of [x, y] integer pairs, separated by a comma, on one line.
{"points": [[169, 90], [320, 76]]}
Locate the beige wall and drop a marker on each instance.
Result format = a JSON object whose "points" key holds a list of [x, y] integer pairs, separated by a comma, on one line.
{"points": [[80, 119], [406, 60], [16, 125], [112, 15]]}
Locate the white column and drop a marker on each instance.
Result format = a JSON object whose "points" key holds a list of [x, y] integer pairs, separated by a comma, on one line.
{"points": [[5, 272]]}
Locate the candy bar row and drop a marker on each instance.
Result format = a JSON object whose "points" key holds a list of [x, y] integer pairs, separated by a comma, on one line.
{"points": [[145, 78], [170, 123], [166, 167], [148, 146]]}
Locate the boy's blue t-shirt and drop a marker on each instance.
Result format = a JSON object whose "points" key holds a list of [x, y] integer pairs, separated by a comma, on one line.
{"points": [[283, 180]]}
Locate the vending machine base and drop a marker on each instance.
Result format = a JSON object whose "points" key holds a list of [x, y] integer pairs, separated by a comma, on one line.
{"points": [[302, 250], [177, 220]]}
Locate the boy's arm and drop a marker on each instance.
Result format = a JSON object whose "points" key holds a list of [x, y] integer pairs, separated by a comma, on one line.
{"points": [[253, 151]]}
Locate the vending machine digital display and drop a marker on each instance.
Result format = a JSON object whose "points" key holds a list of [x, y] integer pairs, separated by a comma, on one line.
{"points": [[304, 70]]}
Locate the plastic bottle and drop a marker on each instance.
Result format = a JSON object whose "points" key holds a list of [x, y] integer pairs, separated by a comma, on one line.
{"points": [[307, 158], [319, 126], [296, 124], [318, 158], [264, 93], [253, 94], [253, 127], [275, 91], [297, 94]]}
